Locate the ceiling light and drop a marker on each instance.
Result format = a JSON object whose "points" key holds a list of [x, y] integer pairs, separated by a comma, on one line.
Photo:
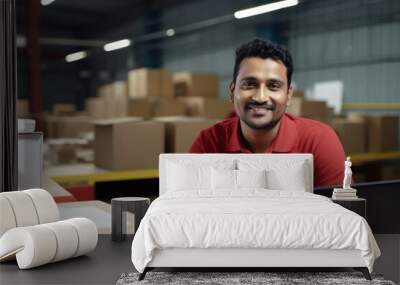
{"points": [[170, 32], [265, 8], [117, 45], [76, 56], [46, 2]]}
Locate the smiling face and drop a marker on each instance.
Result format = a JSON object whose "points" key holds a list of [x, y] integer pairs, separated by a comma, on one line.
{"points": [[260, 92]]}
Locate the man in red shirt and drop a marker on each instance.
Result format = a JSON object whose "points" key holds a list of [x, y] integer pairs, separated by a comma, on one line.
{"points": [[260, 91]]}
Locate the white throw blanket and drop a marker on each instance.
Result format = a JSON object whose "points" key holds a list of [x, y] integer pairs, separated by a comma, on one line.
{"points": [[250, 219]]}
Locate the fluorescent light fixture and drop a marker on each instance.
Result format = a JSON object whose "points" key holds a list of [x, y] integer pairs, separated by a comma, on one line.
{"points": [[265, 8], [76, 56], [170, 32], [46, 2], [117, 45]]}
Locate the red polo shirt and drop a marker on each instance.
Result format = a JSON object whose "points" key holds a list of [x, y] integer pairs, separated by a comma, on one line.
{"points": [[295, 135]]}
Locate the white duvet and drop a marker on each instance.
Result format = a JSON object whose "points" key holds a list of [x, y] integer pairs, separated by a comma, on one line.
{"points": [[250, 219]]}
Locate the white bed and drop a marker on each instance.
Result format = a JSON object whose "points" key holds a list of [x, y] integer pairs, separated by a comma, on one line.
{"points": [[241, 210]]}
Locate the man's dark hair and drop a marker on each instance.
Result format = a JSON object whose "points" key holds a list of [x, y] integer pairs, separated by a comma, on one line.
{"points": [[264, 49]]}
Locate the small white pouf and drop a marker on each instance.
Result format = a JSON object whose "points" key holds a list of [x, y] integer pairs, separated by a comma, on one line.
{"points": [[40, 244]]}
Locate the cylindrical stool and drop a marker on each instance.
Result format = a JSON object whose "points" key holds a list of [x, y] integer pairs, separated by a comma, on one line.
{"points": [[136, 205]]}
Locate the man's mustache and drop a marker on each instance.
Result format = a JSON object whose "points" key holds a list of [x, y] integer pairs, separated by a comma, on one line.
{"points": [[260, 105]]}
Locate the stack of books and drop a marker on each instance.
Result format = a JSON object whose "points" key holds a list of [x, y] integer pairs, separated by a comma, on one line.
{"points": [[344, 194]]}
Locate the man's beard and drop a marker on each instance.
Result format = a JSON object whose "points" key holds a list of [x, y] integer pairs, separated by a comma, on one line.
{"points": [[267, 126]]}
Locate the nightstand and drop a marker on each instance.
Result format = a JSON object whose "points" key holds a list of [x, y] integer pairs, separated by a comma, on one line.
{"points": [[357, 205], [136, 205]]}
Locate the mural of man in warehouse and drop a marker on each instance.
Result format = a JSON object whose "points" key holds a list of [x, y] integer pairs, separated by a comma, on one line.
{"points": [[260, 92]]}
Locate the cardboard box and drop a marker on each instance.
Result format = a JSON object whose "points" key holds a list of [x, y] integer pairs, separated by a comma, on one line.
{"points": [[128, 143], [352, 134], [195, 84], [148, 82], [213, 108], [168, 107], [316, 110], [61, 109], [180, 132], [73, 127], [115, 100], [141, 107], [383, 133], [95, 108], [23, 108]]}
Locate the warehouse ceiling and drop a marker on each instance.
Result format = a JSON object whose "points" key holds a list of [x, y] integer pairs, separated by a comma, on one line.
{"points": [[96, 20], [89, 18]]}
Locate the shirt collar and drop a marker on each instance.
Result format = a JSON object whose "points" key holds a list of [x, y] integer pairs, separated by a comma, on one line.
{"points": [[284, 141]]}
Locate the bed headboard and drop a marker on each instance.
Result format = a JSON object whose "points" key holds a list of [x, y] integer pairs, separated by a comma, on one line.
{"points": [[306, 160]]}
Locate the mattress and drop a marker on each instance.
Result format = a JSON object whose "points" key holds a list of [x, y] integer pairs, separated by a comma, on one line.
{"points": [[251, 218]]}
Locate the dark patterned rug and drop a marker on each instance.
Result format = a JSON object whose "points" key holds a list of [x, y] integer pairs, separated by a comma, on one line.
{"points": [[229, 278]]}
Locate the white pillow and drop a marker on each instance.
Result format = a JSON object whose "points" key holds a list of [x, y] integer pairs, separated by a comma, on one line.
{"points": [[188, 177], [251, 178], [193, 174], [222, 179], [291, 175], [280, 180]]}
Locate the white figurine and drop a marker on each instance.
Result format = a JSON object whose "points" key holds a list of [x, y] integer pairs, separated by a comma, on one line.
{"points": [[347, 174]]}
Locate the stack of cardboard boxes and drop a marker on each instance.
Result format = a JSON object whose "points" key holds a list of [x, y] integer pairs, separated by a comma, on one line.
{"points": [[111, 102], [199, 93], [358, 133], [151, 94], [316, 110], [137, 119]]}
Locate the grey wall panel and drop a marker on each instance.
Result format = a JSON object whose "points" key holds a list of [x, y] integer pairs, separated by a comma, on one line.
{"points": [[366, 59]]}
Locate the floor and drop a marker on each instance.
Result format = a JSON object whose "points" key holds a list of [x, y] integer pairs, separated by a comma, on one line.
{"points": [[103, 266], [111, 259]]}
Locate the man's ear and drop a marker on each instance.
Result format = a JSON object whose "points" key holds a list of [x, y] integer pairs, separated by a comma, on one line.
{"points": [[231, 89], [290, 94]]}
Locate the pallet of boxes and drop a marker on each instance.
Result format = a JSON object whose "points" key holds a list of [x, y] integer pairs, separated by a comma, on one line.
{"points": [[154, 121]]}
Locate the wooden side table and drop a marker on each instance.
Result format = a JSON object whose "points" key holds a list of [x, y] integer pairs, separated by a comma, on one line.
{"points": [[136, 205], [357, 205]]}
